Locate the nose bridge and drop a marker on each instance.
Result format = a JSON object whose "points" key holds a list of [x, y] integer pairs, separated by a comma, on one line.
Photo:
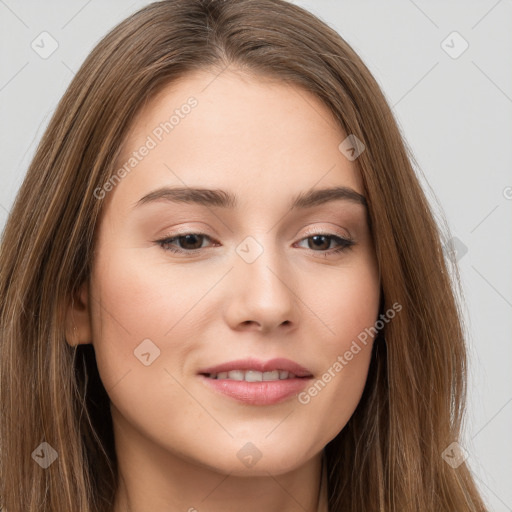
{"points": [[260, 258]]}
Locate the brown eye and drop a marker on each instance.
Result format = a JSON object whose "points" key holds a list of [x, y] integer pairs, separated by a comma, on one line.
{"points": [[321, 242], [187, 243], [190, 242]]}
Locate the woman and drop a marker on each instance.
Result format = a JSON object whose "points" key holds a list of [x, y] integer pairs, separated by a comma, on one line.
{"points": [[304, 353]]}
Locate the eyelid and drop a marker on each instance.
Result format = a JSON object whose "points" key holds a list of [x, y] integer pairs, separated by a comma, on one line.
{"points": [[326, 229], [178, 234], [327, 232]]}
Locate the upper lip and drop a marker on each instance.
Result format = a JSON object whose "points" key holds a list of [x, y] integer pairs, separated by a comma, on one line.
{"points": [[260, 366]]}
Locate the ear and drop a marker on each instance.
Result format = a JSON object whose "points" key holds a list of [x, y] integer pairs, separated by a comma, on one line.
{"points": [[78, 318]]}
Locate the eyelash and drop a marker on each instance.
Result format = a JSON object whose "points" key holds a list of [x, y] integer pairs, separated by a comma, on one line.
{"points": [[345, 243]]}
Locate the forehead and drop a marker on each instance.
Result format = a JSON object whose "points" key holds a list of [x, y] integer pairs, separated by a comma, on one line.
{"points": [[248, 134]]}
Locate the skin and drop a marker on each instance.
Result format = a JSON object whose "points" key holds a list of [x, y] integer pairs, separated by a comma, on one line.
{"points": [[177, 441]]}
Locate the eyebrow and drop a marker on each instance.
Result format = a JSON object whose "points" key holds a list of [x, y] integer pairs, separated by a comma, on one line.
{"points": [[224, 199]]}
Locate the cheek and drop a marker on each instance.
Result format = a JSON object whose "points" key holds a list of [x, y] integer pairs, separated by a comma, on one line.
{"points": [[350, 315], [347, 304], [140, 319], [142, 339]]}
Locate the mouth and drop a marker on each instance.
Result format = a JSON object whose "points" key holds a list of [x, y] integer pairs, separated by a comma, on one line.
{"points": [[254, 370], [253, 375], [255, 382]]}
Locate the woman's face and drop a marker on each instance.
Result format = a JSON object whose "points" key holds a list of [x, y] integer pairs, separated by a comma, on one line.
{"points": [[259, 279]]}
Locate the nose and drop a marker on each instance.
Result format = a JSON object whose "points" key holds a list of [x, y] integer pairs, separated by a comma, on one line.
{"points": [[262, 293]]}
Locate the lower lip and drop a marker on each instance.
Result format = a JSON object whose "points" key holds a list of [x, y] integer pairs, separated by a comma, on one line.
{"points": [[257, 393]]}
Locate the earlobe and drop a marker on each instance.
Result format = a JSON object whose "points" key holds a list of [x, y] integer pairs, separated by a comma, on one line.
{"points": [[78, 320]]}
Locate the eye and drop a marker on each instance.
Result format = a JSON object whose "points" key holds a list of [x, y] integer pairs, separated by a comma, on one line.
{"points": [[189, 242], [320, 242]]}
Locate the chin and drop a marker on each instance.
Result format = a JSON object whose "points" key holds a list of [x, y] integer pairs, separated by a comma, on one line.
{"points": [[247, 458]]}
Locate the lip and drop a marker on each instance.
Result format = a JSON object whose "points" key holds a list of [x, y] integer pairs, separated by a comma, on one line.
{"points": [[250, 363], [262, 392]]}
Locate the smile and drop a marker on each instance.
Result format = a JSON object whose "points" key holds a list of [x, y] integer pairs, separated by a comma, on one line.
{"points": [[253, 375]]}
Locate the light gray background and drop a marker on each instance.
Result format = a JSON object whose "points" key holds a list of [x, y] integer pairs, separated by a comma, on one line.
{"points": [[455, 114]]}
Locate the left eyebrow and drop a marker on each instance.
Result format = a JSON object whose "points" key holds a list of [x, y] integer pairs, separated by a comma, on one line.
{"points": [[225, 199]]}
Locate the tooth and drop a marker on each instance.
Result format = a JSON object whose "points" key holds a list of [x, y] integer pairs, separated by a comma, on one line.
{"points": [[253, 376], [236, 375]]}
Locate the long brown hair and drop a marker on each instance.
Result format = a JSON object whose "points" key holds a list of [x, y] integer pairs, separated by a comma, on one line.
{"points": [[389, 455]]}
